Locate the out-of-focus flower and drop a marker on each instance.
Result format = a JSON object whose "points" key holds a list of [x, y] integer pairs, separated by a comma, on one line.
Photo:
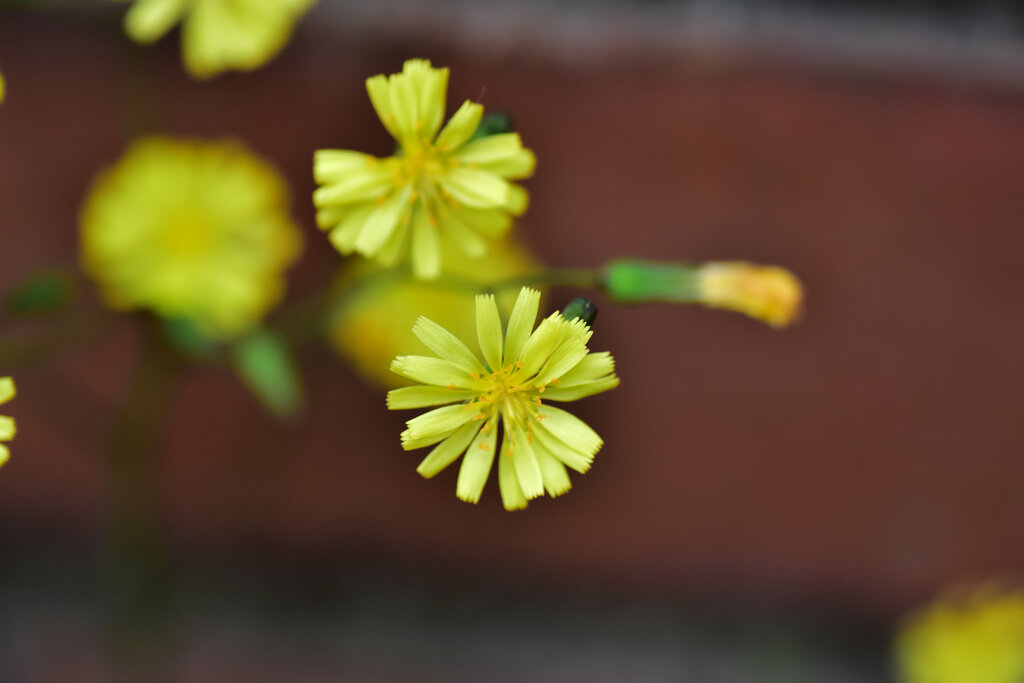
{"points": [[377, 307], [975, 637], [508, 390], [6, 423], [217, 35], [438, 184], [196, 230], [767, 293], [3, 87]]}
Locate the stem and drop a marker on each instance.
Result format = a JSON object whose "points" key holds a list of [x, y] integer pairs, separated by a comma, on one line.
{"points": [[588, 278], [136, 563]]}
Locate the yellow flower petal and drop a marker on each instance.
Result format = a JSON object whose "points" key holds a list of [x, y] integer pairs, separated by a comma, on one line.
{"points": [[475, 188], [580, 389], [7, 390], [568, 455], [379, 90], [460, 127], [476, 464], [432, 426], [426, 247], [405, 107], [382, 222], [531, 481], [594, 366], [434, 371], [7, 429], [446, 452], [446, 345], [556, 479], [422, 397], [344, 235], [488, 330], [520, 323], [511, 493], [148, 20], [571, 431]]}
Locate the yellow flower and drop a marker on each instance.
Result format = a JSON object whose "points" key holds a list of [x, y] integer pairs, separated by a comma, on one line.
{"points": [[6, 423], [979, 637], [198, 230], [377, 307], [3, 87], [438, 184], [509, 389], [767, 293], [217, 35]]}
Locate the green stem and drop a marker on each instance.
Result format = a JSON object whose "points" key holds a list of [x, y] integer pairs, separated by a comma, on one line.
{"points": [[587, 278], [137, 568]]}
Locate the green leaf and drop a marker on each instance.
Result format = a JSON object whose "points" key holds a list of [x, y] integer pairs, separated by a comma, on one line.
{"points": [[42, 292], [264, 363]]}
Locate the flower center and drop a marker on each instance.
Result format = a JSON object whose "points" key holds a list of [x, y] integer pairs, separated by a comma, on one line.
{"points": [[186, 236], [514, 397]]}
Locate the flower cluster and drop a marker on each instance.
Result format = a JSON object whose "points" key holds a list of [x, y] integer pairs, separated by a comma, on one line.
{"points": [[196, 230], [510, 389], [217, 35], [441, 184]]}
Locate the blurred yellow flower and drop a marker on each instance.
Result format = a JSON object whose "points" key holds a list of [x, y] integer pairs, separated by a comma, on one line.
{"points": [[3, 87], [438, 184], [377, 308], [198, 230], [521, 369], [6, 423], [977, 638], [217, 35], [767, 293]]}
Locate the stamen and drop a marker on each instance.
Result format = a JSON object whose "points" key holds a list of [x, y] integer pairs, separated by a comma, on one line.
{"points": [[478, 416], [451, 387], [536, 399], [519, 364], [474, 375], [483, 447]]}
